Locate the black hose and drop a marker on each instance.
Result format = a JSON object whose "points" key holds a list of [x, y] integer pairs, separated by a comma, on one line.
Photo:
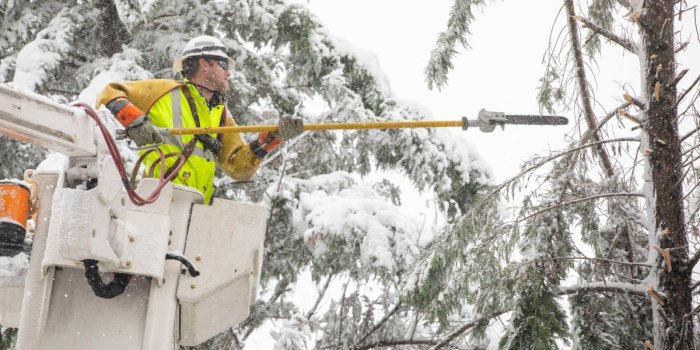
{"points": [[193, 272], [107, 291]]}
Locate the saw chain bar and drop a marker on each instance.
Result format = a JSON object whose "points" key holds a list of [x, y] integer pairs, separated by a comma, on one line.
{"points": [[487, 120]]}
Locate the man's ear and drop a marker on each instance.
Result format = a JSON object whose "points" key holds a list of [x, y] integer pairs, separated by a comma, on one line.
{"points": [[203, 62]]}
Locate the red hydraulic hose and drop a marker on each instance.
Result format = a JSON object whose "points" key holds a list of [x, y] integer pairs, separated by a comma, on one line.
{"points": [[164, 178]]}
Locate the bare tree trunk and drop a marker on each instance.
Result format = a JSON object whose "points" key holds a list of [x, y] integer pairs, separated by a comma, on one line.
{"points": [[673, 328]]}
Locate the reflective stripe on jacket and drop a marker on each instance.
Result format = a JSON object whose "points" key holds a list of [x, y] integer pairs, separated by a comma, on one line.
{"points": [[157, 98]]}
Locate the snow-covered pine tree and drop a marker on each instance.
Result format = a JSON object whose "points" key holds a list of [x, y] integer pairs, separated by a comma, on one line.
{"points": [[621, 195], [322, 219]]}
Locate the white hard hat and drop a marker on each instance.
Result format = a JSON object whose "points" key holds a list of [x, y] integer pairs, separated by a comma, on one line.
{"points": [[203, 45]]}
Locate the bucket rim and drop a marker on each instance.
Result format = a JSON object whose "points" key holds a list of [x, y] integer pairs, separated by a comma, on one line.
{"points": [[13, 182]]}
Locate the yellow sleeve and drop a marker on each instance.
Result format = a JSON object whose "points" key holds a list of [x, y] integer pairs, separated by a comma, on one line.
{"points": [[236, 158], [143, 93]]}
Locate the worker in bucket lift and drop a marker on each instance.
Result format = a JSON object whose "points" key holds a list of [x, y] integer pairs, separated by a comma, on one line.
{"points": [[197, 101]]}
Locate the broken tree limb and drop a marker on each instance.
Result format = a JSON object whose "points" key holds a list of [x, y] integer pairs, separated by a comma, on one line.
{"points": [[583, 88], [626, 44]]}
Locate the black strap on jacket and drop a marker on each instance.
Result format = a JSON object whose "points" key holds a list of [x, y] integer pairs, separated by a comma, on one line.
{"points": [[208, 142]]}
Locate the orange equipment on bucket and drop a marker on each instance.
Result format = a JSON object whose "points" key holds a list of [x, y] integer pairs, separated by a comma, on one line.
{"points": [[14, 211]]}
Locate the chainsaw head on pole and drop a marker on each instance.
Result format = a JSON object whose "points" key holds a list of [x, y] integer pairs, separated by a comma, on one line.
{"points": [[487, 120]]}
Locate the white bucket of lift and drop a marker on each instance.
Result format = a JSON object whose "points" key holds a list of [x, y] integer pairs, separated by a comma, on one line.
{"points": [[228, 253]]}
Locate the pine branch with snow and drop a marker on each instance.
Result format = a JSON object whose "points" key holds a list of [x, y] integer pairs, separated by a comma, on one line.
{"points": [[440, 64]]}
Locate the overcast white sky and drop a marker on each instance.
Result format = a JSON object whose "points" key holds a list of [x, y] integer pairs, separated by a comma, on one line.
{"points": [[500, 72]]}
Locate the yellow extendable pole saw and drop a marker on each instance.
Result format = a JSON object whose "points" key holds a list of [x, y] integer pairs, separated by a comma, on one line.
{"points": [[486, 122]]}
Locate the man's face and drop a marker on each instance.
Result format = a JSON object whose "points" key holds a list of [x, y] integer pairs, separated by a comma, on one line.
{"points": [[215, 73]]}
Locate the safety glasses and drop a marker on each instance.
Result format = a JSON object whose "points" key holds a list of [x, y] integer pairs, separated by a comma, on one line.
{"points": [[222, 62]]}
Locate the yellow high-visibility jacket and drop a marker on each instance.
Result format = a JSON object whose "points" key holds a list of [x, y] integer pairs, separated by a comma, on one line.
{"points": [[167, 107]]}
